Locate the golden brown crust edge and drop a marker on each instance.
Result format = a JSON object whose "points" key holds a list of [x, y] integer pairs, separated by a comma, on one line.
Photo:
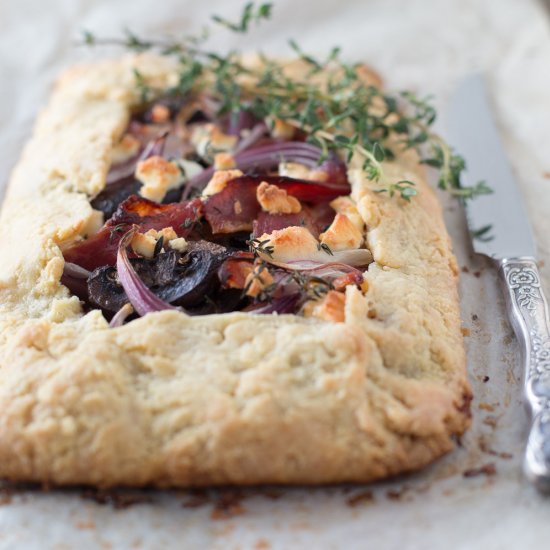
{"points": [[173, 401]]}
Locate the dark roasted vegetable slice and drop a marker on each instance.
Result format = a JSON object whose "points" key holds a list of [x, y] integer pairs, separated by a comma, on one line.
{"points": [[109, 199], [121, 315], [182, 280], [113, 195], [234, 271], [101, 249], [316, 219], [235, 207], [74, 278], [140, 296]]}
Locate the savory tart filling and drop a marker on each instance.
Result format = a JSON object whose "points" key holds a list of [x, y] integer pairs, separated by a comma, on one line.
{"points": [[212, 214]]}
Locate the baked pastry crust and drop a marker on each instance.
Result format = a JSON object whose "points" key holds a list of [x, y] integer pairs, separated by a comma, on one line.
{"points": [[170, 400]]}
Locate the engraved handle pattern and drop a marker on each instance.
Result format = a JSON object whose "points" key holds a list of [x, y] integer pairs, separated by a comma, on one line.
{"points": [[528, 311]]}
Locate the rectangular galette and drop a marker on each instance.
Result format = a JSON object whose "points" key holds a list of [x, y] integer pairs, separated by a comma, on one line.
{"points": [[194, 291]]}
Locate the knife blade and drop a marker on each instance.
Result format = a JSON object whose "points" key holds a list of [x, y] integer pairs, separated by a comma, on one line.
{"points": [[508, 240], [477, 138]]}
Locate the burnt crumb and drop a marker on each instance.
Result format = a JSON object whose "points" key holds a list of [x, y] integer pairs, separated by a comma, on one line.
{"points": [[465, 269], [8, 490], [197, 498], [272, 494], [488, 406], [224, 500], [396, 494], [485, 379], [485, 448], [363, 497], [485, 470], [505, 455], [490, 421], [477, 274], [119, 500], [228, 505], [475, 317], [499, 454]]}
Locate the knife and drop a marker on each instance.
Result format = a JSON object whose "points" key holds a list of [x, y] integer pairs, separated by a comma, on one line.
{"points": [[508, 240]]}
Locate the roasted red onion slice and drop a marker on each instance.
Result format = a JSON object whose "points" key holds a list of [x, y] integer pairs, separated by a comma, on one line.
{"points": [[126, 169], [266, 157], [238, 121], [359, 257], [339, 259], [122, 170], [76, 271], [284, 304], [121, 315], [143, 300], [325, 270], [254, 135]]}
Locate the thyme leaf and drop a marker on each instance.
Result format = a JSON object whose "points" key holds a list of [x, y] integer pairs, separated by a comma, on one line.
{"points": [[250, 13], [325, 248], [158, 246], [120, 228], [259, 247], [483, 233], [404, 188]]}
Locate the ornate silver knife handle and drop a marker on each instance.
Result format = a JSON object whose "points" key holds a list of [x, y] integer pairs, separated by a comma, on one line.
{"points": [[528, 312]]}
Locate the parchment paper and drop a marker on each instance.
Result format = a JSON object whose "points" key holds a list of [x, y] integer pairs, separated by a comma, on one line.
{"points": [[426, 45]]}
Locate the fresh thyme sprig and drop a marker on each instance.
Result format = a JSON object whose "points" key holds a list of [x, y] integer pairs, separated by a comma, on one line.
{"points": [[260, 247], [261, 275], [310, 285], [344, 114]]}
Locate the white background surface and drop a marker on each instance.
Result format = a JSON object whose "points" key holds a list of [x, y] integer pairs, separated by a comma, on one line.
{"points": [[427, 45]]}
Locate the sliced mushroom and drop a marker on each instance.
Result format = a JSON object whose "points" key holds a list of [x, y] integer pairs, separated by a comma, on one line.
{"points": [[180, 279]]}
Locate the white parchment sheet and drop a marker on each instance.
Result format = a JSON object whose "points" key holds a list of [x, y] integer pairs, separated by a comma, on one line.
{"points": [[426, 45]]}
